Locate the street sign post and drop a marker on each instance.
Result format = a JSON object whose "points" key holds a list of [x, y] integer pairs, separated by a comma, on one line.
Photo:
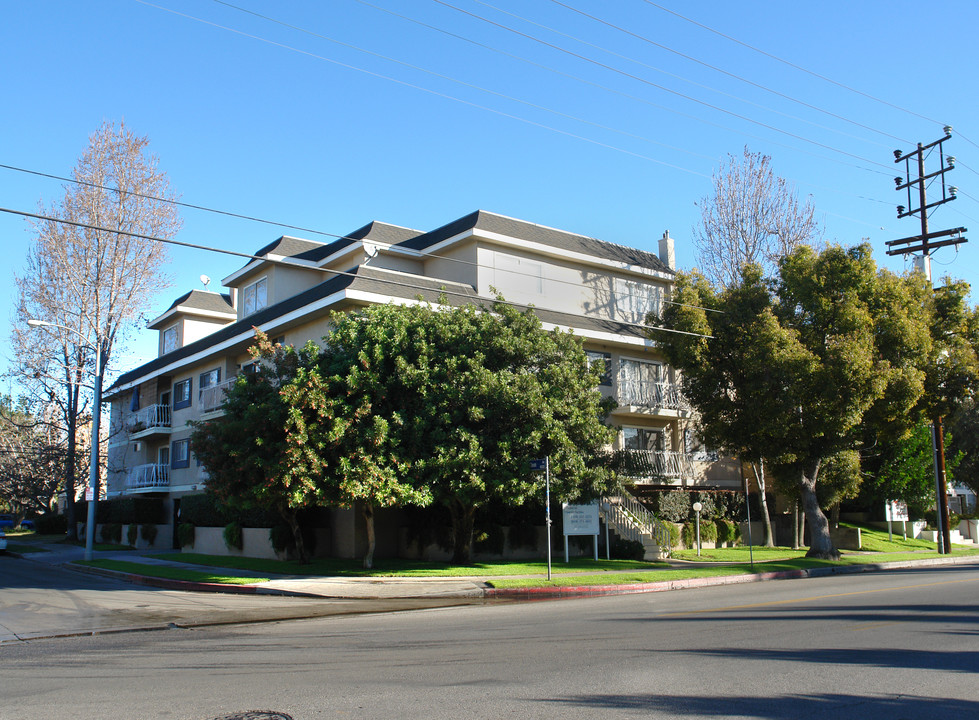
{"points": [[545, 465]]}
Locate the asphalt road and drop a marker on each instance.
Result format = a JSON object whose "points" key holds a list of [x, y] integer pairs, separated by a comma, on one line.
{"points": [[894, 645], [40, 600]]}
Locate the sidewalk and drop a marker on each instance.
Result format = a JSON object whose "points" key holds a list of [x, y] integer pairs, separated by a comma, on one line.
{"points": [[436, 587]]}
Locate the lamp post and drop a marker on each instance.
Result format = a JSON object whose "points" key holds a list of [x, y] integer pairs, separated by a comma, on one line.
{"points": [[93, 470]]}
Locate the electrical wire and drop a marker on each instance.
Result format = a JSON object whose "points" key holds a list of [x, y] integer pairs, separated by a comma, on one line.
{"points": [[652, 84], [734, 76], [292, 263], [791, 64], [413, 86]]}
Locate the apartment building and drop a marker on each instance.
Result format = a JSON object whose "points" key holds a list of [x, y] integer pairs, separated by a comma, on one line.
{"points": [[601, 290]]}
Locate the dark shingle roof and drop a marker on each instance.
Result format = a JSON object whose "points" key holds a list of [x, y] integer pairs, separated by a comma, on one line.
{"points": [[490, 222], [204, 300], [369, 280]]}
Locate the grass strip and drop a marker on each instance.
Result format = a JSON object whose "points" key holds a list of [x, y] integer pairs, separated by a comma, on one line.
{"points": [[23, 549], [332, 567], [170, 573], [798, 563]]}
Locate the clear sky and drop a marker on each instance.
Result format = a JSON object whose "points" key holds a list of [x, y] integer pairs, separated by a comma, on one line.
{"points": [[327, 114]]}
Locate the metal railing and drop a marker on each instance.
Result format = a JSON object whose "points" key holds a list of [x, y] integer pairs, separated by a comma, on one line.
{"points": [[148, 476], [631, 520], [212, 397], [152, 416], [656, 464], [656, 394]]}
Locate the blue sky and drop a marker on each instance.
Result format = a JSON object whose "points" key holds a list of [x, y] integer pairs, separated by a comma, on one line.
{"points": [[329, 114]]}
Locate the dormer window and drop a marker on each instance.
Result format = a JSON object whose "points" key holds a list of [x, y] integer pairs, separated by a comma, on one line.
{"points": [[255, 296], [170, 339]]}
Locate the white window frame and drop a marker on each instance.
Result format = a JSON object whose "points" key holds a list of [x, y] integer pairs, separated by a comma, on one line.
{"points": [[173, 333], [250, 296]]}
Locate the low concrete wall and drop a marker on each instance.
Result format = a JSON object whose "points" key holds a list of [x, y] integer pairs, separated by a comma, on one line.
{"points": [[163, 540], [255, 543], [845, 538]]}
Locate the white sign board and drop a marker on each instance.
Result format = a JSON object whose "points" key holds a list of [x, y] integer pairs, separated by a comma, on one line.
{"points": [[896, 510], [581, 519], [89, 494]]}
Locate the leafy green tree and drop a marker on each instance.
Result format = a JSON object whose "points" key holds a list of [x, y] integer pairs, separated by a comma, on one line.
{"points": [[246, 450], [804, 367], [904, 470], [461, 399], [964, 444]]}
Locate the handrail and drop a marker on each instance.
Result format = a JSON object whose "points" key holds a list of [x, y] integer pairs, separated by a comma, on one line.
{"points": [[634, 521], [149, 475], [212, 397], [151, 416]]}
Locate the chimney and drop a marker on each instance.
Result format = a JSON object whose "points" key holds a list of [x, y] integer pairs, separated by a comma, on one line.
{"points": [[667, 253]]}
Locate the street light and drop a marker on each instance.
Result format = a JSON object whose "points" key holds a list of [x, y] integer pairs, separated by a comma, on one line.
{"points": [[93, 471]]}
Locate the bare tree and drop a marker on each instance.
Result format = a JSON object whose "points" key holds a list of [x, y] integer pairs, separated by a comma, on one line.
{"points": [[90, 273], [31, 460], [753, 216]]}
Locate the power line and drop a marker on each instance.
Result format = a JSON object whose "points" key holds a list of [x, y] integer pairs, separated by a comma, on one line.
{"points": [[304, 266], [655, 85], [268, 222], [791, 64], [734, 76], [413, 86]]}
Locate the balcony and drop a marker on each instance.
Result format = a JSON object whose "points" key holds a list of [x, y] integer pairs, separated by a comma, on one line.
{"points": [[151, 420], [212, 397], [656, 464], [147, 477], [651, 394]]}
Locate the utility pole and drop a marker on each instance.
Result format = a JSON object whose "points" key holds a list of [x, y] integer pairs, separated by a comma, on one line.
{"points": [[926, 243]]}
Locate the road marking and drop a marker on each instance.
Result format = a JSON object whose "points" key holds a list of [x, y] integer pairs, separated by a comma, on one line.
{"points": [[815, 597]]}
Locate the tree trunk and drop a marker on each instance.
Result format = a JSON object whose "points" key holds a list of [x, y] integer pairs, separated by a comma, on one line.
{"points": [[834, 516], [463, 520], [70, 463], [291, 517], [759, 469], [371, 538], [821, 544], [795, 525]]}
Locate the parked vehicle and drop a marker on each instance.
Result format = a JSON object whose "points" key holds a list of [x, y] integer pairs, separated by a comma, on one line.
{"points": [[6, 521], [3, 542], [27, 525]]}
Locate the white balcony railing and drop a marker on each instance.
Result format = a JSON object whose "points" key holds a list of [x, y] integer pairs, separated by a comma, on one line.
{"points": [[212, 397], [651, 394], [642, 464], [153, 475], [149, 418]]}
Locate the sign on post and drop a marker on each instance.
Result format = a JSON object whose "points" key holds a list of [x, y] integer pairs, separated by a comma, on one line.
{"points": [[580, 520]]}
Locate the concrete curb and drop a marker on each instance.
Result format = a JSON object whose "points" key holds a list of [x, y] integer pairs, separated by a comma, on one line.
{"points": [[541, 593]]}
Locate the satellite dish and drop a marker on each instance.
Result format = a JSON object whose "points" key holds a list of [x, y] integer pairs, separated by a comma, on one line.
{"points": [[206, 280]]}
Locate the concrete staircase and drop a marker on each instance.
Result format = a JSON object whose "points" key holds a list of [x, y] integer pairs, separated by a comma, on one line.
{"points": [[630, 520]]}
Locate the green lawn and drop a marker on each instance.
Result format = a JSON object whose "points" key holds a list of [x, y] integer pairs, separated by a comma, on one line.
{"points": [[333, 567], [170, 573]]}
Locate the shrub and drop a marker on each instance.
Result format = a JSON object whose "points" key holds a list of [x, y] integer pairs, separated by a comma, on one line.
{"points": [[672, 533], [233, 536], [51, 524], [112, 533], [148, 531], [185, 534], [202, 510], [710, 509], [131, 534], [626, 549], [689, 535], [727, 532], [280, 535], [674, 506]]}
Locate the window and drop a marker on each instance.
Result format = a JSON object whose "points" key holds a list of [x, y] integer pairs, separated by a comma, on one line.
{"points": [[639, 383], [635, 300], [643, 439], [255, 297], [604, 362], [181, 393], [170, 339], [180, 454], [209, 379]]}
